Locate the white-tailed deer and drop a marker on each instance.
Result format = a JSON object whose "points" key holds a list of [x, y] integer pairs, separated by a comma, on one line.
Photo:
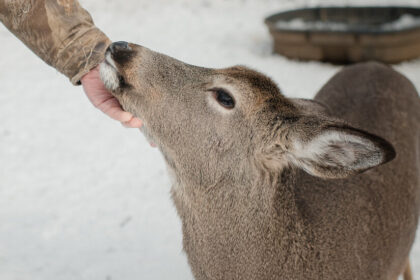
{"points": [[269, 187]]}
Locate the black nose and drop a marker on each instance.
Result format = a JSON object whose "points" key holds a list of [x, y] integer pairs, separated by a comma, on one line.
{"points": [[118, 47]]}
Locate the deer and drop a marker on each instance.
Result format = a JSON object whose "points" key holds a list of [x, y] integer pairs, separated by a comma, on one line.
{"points": [[270, 187]]}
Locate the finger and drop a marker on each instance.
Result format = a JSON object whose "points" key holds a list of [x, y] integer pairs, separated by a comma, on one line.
{"points": [[112, 108], [133, 123], [97, 96]]}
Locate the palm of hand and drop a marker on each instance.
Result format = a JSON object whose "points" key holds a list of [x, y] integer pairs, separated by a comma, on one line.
{"points": [[102, 99]]}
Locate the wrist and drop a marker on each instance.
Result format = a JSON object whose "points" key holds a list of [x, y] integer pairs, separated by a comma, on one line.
{"points": [[93, 73]]}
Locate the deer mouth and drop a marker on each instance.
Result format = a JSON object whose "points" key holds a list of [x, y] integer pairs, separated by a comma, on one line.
{"points": [[117, 53]]}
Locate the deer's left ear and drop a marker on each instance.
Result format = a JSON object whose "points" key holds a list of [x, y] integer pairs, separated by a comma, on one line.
{"points": [[339, 151]]}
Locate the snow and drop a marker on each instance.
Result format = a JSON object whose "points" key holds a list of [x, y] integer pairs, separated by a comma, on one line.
{"points": [[405, 21], [81, 197], [300, 24]]}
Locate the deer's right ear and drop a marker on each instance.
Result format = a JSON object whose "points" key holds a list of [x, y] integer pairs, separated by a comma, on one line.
{"points": [[337, 151]]}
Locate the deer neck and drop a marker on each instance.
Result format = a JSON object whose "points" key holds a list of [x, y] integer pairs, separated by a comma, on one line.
{"points": [[267, 198]]}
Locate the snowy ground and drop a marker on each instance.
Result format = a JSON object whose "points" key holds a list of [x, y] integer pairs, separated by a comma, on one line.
{"points": [[81, 197]]}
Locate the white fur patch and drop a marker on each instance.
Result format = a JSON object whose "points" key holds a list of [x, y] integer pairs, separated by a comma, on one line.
{"points": [[109, 74], [109, 59]]}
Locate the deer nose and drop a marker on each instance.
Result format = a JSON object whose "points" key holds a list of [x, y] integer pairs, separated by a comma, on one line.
{"points": [[118, 47]]}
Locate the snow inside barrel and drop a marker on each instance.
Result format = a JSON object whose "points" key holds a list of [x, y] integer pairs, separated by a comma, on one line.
{"points": [[347, 35]]}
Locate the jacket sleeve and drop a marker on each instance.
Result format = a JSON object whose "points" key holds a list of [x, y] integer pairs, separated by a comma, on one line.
{"points": [[61, 32]]}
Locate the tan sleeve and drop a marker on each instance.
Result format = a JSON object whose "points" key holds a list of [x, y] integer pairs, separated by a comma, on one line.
{"points": [[61, 32]]}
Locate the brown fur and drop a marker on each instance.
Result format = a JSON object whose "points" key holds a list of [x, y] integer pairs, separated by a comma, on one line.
{"points": [[407, 275], [248, 210]]}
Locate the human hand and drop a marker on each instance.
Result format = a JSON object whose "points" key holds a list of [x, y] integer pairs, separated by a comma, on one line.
{"points": [[102, 99]]}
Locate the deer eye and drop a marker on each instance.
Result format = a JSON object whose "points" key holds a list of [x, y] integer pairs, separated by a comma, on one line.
{"points": [[223, 98]]}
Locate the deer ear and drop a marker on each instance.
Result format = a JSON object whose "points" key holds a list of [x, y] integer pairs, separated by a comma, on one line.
{"points": [[337, 152]]}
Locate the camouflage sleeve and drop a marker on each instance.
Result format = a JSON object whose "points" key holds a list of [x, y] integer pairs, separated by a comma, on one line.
{"points": [[61, 32]]}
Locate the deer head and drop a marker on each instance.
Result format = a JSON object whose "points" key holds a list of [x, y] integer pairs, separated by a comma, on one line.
{"points": [[213, 125]]}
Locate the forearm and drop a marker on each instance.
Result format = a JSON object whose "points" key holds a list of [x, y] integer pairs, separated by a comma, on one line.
{"points": [[61, 32]]}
